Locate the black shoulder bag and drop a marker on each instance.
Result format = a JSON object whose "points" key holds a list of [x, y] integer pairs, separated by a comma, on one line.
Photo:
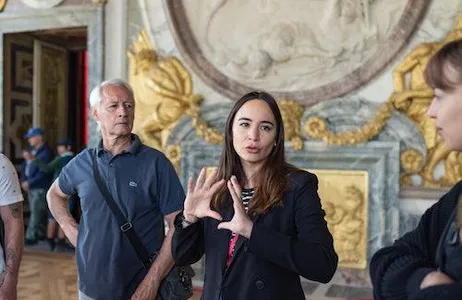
{"points": [[177, 285]]}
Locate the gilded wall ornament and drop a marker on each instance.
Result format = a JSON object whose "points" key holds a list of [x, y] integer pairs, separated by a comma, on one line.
{"points": [[292, 112], [173, 153], [316, 127], [411, 96], [209, 134], [2, 5], [344, 197], [163, 92]]}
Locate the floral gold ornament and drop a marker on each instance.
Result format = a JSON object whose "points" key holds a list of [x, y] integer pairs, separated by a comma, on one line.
{"points": [[316, 127], [411, 160]]}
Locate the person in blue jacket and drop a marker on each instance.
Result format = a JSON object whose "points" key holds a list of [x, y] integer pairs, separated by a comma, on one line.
{"points": [[36, 184]]}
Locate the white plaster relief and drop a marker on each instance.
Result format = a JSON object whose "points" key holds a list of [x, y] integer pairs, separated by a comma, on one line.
{"points": [[290, 45]]}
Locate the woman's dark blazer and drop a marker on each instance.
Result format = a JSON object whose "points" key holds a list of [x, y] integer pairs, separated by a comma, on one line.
{"points": [[288, 241]]}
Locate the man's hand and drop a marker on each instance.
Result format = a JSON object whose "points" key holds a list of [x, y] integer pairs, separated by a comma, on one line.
{"points": [[71, 231], [435, 278], [7, 287], [147, 290], [25, 186]]}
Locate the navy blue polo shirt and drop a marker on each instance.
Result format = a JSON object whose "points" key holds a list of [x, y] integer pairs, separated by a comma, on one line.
{"points": [[144, 184]]}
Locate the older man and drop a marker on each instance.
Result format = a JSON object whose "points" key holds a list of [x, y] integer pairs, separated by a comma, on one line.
{"points": [[144, 186], [37, 184], [13, 229]]}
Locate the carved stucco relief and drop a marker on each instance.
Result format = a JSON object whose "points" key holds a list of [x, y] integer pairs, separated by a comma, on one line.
{"points": [[304, 50]]}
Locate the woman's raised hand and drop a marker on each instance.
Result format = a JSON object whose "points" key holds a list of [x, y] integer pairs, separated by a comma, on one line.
{"points": [[240, 223], [199, 196]]}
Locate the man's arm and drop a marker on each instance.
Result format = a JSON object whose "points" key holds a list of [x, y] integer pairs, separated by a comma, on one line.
{"points": [[164, 260], [12, 218], [48, 167], [160, 267], [58, 204]]}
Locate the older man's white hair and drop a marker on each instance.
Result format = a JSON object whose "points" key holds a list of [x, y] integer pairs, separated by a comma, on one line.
{"points": [[97, 92]]}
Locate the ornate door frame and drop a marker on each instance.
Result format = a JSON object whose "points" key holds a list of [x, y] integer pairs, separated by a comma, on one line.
{"points": [[90, 16]]}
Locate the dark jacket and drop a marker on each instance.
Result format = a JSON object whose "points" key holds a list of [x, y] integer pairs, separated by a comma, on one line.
{"points": [[36, 178], [288, 241], [398, 270]]}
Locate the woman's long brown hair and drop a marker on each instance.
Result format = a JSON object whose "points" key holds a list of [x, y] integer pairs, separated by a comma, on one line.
{"points": [[272, 177]]}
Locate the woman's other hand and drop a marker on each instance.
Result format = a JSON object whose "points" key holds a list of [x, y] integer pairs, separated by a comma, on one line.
{"points": [[199, 196]]}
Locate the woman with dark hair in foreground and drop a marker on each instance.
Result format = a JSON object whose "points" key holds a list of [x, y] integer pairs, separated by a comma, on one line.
{"points": [[257, 219]]}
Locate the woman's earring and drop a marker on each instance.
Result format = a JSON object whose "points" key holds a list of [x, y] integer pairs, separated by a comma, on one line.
{"points": [[275, 144]]}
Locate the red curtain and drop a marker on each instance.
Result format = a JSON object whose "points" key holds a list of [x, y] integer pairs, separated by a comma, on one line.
{"points": [[83, 66]]}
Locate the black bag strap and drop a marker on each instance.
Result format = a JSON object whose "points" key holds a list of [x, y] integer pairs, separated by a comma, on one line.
{"points": [[124, 225]]}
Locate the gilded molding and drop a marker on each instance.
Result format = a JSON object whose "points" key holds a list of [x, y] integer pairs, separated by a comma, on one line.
{"points": [[316, 127], [210, 134], [2, 4], [292, 113], [346, 213], [173, 153]]}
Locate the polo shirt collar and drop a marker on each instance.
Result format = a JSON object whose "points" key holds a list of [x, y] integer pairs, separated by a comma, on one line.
{"points": [[134, 148]]}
